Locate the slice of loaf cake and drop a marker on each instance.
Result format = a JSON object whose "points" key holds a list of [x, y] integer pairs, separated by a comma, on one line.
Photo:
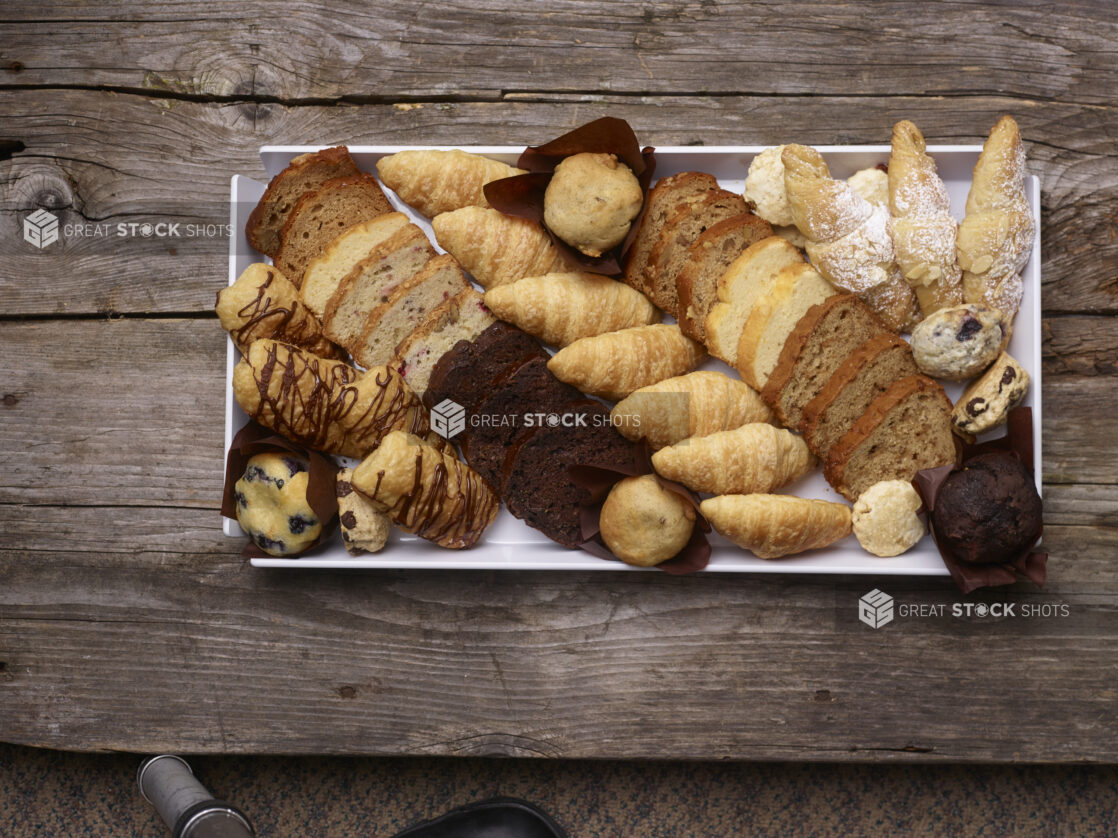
{"points": [[905, 429], [668, 194], [707, 259], [685, 224], [326, 271], [393, 320], [463, 317], [321, 216], [773, 318], [749, 276], [304, 174], [817, 346], [372, 281], [865, 374]]}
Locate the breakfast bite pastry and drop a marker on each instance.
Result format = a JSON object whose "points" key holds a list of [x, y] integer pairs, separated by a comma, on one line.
{"points": [[757, 457], [764, 187], [696, 404], [613, 365], [872, 184], [772, 526], [262, 303], [322, 404], [987, 401], [441, 180], [364, 527], [497, 248], [272, 505], [643, 523], [885, 519], [959, 343], [591, 200], [560, 308], [996, 235], [427, 491]]}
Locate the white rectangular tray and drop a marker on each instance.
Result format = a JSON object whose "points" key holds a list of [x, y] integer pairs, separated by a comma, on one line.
{"points": [[510, 544]]}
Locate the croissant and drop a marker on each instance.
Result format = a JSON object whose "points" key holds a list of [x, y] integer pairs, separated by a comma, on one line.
{"points": [[771, 526], [696, 404], [996, 235], [753, 458], [615, 364], [427, 491], [560, 308], [497, 248], [924, 232], [435, 181], [322, 404], [263, 303]]}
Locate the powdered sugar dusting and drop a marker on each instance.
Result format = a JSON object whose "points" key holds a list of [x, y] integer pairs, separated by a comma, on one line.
{"points": [[860, 260]]}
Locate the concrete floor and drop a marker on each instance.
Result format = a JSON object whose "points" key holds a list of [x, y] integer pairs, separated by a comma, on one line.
{"points": [[56, 794]]}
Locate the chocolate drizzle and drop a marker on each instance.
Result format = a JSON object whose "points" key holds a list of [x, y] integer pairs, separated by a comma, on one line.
{"points": [[266, 317]]}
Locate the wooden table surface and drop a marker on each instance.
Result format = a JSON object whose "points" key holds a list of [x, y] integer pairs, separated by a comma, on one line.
{"points": [[129, 622]]}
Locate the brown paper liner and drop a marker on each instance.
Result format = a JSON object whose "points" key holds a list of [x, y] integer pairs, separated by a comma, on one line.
{"points": [[255, 439], [598, 480], [522, 195], [1018, 440]]}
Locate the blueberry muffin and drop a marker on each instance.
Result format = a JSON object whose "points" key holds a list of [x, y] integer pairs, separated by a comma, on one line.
{"points": [[272, 504]]}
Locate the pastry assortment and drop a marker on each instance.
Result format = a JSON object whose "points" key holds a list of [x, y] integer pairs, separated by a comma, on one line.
{"points": [[803, 284]]}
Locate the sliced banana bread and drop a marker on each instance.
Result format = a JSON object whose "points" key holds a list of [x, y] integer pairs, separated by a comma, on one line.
{"points": [[905, 429], [321, 216], [749, 276], [393, 320], [707, 259], [659, 204], [463, 317], [686, 223], [372, 281], [817, 346], [304, 174], [865, 374], [773, 318]]}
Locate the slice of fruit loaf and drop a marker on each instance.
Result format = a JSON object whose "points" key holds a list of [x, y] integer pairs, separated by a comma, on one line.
{"points": [[686, 223], [817, 346], [329, 268], [393, 320], [372, 281], [865, 374], [321, 216], [773, 318], [707, 259], [905, 429], [749, 276], [661, 202], [304, 174], [463, 317]]}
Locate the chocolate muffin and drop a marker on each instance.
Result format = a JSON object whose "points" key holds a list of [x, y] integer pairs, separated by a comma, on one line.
{"points": [[537, 487], [988, 511]]}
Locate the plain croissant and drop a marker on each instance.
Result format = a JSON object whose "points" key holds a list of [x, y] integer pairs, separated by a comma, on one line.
{"points": [[615, 364], [699, 403], [560, 308], [996, 235], [496, 248], [753, 458], [427, 491], [771, 526], [924, 231], [437, 180]]}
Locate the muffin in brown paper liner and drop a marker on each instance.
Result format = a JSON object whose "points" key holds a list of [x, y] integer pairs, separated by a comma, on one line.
{"points": [[598, 480], [970, 576], [255, 439], [522, 195]]}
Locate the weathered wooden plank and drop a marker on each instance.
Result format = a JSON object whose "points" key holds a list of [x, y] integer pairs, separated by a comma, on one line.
{"points": [[221, 658], [454, 50], [176, 164], [1080, 345]]}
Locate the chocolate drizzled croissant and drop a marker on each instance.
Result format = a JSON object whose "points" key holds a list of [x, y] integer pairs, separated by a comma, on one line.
{"points": [[325, 405]]}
